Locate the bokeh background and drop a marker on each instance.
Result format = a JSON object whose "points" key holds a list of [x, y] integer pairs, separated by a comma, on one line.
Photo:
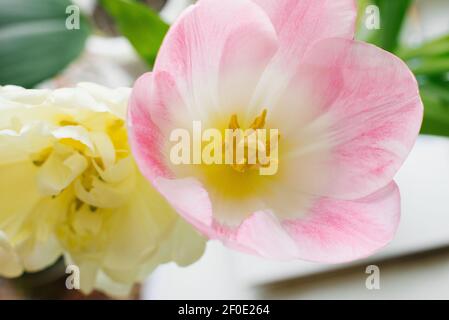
{"points": [[117, 40]]}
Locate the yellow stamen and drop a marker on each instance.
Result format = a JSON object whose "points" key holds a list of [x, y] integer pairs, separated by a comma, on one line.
{"points": [[259, 122], [242, 165]]}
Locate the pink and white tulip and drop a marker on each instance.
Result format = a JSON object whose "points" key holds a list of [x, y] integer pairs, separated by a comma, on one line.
{"points": [[348, 114]]}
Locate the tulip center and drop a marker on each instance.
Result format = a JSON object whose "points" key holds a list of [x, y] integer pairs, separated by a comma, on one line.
{"points": [[251, 148]]}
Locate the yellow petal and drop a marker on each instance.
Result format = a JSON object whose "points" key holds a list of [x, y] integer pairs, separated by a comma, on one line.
{"points": [[104, 148], [59, 171], [105, 195], [17, 179], [77, 133], [118, 172], [10, 265]]}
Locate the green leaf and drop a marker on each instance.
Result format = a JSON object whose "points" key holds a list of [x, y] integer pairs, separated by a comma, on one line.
{"points": [[436, 111], [392, 14], [362, 33], [141, 25], [429, 59], [436, 47], [35, 43], [429, 66]]}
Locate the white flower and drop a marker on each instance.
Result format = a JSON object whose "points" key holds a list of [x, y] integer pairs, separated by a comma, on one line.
{"points": [[69, 185]]}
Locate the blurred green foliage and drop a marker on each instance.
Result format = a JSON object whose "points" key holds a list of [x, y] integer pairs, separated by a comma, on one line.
{"points": [[435, 96], [34, 42], [140, 24], [393, 13], [430, 63]]}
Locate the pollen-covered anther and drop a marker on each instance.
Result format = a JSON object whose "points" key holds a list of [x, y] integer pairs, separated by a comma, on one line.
{"points": [[250, 148]]}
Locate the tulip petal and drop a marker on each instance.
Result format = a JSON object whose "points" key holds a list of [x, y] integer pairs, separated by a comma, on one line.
{"points": [[147, 107], [299, 25], [217, 52], [334, 231], [368, 103], [338, 231], [190, 199], [263, 234]]}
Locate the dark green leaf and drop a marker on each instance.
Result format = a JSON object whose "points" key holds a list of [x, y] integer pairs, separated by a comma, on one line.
{"points": [[362, 33], [35, 43], [140, 24], [436, 108], [392, 14]]}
